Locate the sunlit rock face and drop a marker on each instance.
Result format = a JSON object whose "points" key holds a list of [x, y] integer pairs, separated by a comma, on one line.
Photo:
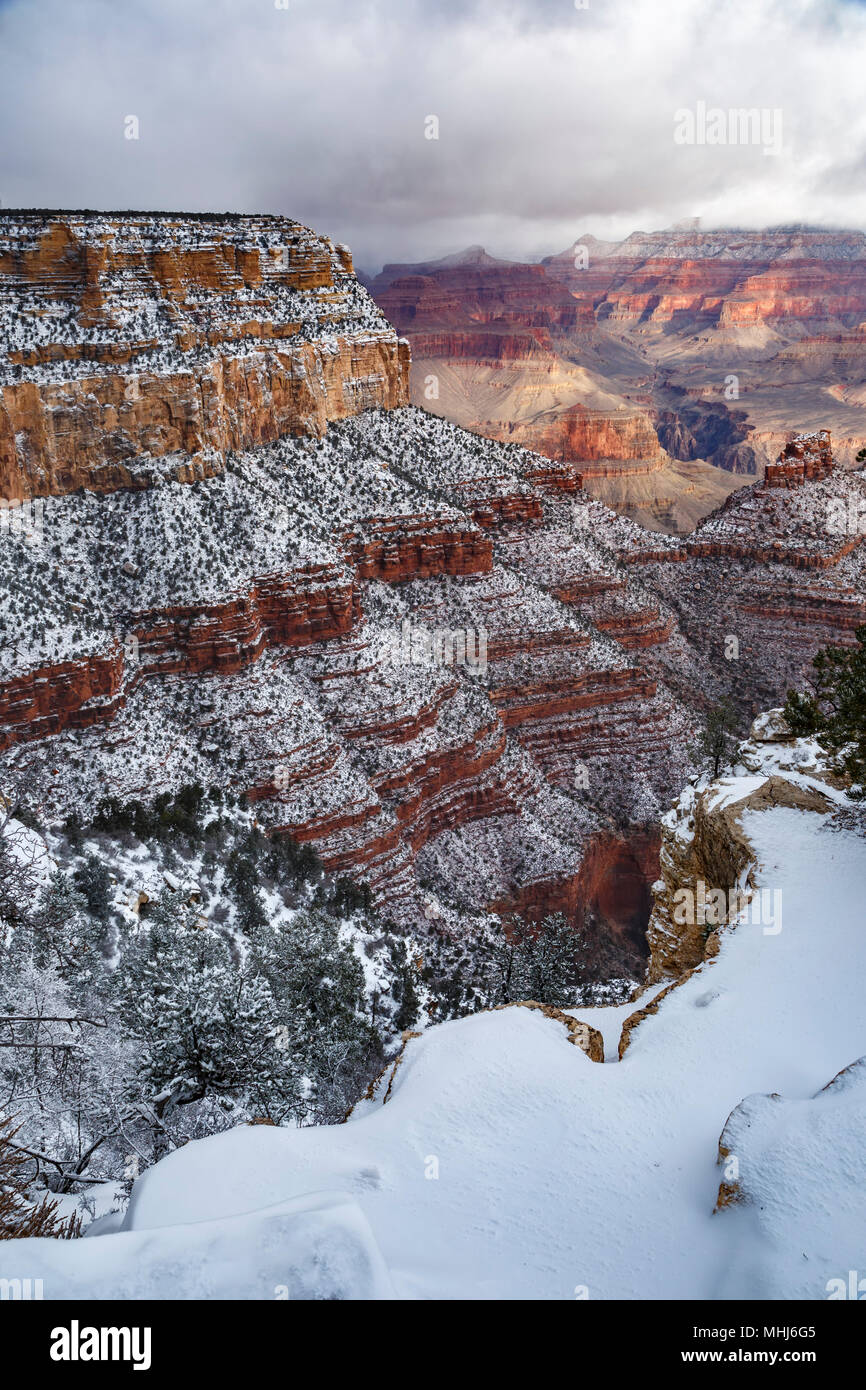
{"points": [[659, 366], [148, 345]]}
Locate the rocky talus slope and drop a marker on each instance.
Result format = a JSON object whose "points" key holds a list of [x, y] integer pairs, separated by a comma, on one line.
{"points": [[231, 553]]}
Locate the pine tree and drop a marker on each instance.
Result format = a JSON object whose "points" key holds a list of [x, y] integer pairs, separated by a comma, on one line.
{"points": [[20, 1215], [835, 708], [94, 883], [536, 960], [717, 739], [65, 935], [318, 984], [205, 1026]]}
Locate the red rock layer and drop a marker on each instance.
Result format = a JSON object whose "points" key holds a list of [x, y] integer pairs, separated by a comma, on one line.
{"points": [[486, 292], [613, 885], [484, 348], [585, 435], [836, 611], [397, 548], [720, 278], [512, 509], [806, 459], [68, 695], [769, 552], [533, 702], [105, 432], [636, 628], [294, 610], [445, 790]]}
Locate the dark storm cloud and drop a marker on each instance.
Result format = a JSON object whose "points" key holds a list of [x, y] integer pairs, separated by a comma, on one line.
{"points": [[553, 119]]}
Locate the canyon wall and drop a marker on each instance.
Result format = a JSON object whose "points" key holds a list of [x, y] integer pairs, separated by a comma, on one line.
{"points": [[158, 345], [217, 588], [685, 354]]}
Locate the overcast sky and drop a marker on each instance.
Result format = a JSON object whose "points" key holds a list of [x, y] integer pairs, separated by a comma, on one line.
{"points": [[553, 120]]}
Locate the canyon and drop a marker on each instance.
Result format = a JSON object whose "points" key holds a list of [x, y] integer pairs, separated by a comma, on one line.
{"points": [[663, 366], [239, 508]]}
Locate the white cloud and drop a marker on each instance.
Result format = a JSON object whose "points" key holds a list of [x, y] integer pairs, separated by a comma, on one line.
{"points": [[553, 120]]}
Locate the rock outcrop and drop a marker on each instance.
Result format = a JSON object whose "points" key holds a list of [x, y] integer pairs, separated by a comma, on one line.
{"points": [[154, 346], [707, 880], [805, 459], [706, 851]]}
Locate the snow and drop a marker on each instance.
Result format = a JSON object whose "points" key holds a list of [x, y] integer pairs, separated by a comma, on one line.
{"points": [[134, 301], [801, 1168], [27, 848], [506, 1164], [318, 1246], [609, 1018], [770, 726]]}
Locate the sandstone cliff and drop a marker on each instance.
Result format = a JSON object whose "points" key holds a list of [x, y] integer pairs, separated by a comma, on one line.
{"points": [[149, 345]]}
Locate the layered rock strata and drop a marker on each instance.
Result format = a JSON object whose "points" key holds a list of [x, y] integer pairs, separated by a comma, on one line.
{"points": [[429, 654], [154, 346], [685, 356]]}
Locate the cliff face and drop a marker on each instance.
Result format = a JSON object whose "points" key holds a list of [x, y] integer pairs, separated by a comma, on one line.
{"points": [[429, 654], [721, 277], [487, 290], [605, 444], [707, 861], [803, 460], [612, 888], [495, 336], [156, 345], [703, 348]]}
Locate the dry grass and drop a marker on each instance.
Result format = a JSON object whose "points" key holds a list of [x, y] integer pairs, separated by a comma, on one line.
{"points": [[19, 1215]]}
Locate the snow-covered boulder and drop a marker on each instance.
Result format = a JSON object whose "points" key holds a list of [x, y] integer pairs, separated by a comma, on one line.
{"points": [[794, 1170], [771, 727]]}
